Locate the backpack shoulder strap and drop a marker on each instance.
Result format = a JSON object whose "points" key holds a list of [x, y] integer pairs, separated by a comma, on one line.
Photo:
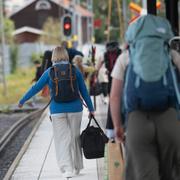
{"points": [[175, 82], [56, 79], [71, 76]]}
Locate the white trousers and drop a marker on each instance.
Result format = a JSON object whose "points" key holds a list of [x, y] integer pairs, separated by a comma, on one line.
{"points": [[66, 130]]}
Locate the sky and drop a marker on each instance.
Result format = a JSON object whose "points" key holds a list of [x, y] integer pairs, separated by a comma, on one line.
{"points": [[13, 5]]}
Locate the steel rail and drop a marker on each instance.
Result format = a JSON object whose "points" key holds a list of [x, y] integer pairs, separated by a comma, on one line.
{"points": [[7, 137]]}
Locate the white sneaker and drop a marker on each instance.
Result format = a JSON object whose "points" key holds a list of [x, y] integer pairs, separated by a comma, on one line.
{"points": [[76, 172], [106, 101], [67, 174]]}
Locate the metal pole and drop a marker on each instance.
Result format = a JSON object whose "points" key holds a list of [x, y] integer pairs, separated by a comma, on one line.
{"points": [[74, 21], [144, 4], [3, 48], [79, 31], [79, 27], [151, 7], [172, 14], [121, 23], [109, 19], [90, 21], [125, 14]]}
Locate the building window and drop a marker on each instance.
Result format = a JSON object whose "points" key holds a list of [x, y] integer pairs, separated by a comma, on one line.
{"points": [[42, 5]]}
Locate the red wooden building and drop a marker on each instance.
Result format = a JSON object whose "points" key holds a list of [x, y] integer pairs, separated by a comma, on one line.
{"points": [[29, 19]]}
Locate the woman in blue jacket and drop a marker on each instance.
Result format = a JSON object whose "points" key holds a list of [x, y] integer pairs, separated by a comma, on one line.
{"points": [[66, 116]]}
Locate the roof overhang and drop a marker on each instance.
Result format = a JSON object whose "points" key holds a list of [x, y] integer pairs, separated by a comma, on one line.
{"points": [[27, 29]]}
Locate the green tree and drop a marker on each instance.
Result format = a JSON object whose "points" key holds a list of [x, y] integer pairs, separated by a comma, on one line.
{"points": [[36, 56], [52, 32], [8, 31], [100, 9]]}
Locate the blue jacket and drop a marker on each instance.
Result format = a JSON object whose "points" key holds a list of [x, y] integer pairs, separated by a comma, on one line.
{"points": [[74, 106]]}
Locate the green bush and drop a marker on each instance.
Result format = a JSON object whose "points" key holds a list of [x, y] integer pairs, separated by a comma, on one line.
{"points": [[17, 84], [13, 58], [36, 56]]}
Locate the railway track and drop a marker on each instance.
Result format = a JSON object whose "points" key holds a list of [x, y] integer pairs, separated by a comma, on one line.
{"points": [[15, 141], [8, 136]]}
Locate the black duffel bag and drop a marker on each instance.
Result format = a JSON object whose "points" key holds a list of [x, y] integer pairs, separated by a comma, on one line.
{"points": [[93, 141]]}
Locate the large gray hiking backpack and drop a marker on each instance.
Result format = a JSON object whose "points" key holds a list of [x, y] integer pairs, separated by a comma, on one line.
{"points": [[150, 82]]}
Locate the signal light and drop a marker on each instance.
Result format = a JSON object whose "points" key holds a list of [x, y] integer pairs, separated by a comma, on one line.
{"points": [[67, 25]]}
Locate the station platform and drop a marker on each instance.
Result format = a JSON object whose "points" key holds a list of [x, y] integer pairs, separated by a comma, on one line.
{"points": [[39, 161]]}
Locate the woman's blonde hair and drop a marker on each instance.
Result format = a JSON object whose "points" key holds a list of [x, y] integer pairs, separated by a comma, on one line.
{"points": [[59, 54], [77, 60]]}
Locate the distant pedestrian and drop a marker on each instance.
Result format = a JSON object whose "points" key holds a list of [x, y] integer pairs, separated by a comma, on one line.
{"points": [[110, 57], [46, 60], [78, 62], [72, 52], [86, 70], [38, 73], [66, 83], [103, 80]]}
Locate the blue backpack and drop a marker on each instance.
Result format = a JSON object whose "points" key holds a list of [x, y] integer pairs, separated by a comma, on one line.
{"points": [[64, 81], [150, 82]]}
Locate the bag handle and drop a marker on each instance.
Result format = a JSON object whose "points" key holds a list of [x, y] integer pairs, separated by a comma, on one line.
{"points": [[105, 138], [90, 119]]}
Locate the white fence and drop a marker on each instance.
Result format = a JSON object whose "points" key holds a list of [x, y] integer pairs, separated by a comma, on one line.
{"points": [[25, 52]]}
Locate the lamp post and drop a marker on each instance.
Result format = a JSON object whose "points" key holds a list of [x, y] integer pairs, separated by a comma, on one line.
{"points": [[144, 4], [172, 14], [151, 7], [3, 47], [125, 14]]}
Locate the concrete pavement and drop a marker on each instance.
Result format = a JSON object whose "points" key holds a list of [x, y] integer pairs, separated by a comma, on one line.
{"points": [[39, 161]]}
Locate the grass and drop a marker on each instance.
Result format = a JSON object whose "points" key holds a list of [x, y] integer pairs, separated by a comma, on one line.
{"points": [[17, 85]]}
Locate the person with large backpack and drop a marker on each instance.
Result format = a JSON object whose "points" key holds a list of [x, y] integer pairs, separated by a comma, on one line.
{"points": [[67, 89], [149, 93]]}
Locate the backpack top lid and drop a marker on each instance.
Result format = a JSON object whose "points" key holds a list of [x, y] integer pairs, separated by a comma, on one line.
{"points": [[148, 46], [149, 25]]}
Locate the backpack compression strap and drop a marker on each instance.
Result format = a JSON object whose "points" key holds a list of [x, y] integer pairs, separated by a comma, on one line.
{"points": [[71, 77], [56, 80]]}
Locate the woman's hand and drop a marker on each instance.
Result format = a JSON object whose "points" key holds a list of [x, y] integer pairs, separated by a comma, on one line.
{"points": [[20, 105], [91, 114]]}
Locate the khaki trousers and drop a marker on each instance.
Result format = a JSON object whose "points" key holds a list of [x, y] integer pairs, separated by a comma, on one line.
{"points": [[153, 146], [66, 131]]}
